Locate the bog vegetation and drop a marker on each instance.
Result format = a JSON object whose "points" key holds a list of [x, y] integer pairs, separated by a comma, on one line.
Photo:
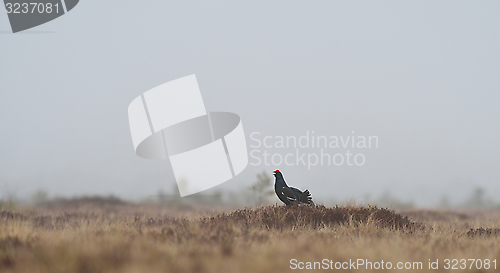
{"points": [[110, 235]]}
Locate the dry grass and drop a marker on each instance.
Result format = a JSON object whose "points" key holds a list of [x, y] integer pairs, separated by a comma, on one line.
{"points": [[123, 237]]}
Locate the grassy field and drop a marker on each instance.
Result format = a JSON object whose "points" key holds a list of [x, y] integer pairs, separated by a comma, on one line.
{"points": [[123, 237]]}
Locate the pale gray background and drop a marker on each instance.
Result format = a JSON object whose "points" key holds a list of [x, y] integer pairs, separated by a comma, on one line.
{"points": [[423, 76]]}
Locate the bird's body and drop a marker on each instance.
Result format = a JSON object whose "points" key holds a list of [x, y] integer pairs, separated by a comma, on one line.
{"points": [[290, 195]]}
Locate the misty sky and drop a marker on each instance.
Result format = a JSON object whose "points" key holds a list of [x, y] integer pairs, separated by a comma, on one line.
{"points": [[424, 77]]}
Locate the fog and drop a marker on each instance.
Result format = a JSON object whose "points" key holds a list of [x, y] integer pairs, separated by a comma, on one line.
{"points": [[420, 76]]}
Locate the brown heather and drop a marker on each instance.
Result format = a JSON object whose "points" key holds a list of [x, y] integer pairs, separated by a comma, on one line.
{"points": [[88, 236]]}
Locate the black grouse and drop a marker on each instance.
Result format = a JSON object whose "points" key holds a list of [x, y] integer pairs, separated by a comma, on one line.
{"points": [[290, 195]]}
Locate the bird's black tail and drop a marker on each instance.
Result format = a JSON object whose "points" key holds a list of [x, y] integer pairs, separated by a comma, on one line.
{"points": [[307, 198]]}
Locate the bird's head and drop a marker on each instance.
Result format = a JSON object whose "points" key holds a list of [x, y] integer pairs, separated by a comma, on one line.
{"points": [[276, 172]]}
